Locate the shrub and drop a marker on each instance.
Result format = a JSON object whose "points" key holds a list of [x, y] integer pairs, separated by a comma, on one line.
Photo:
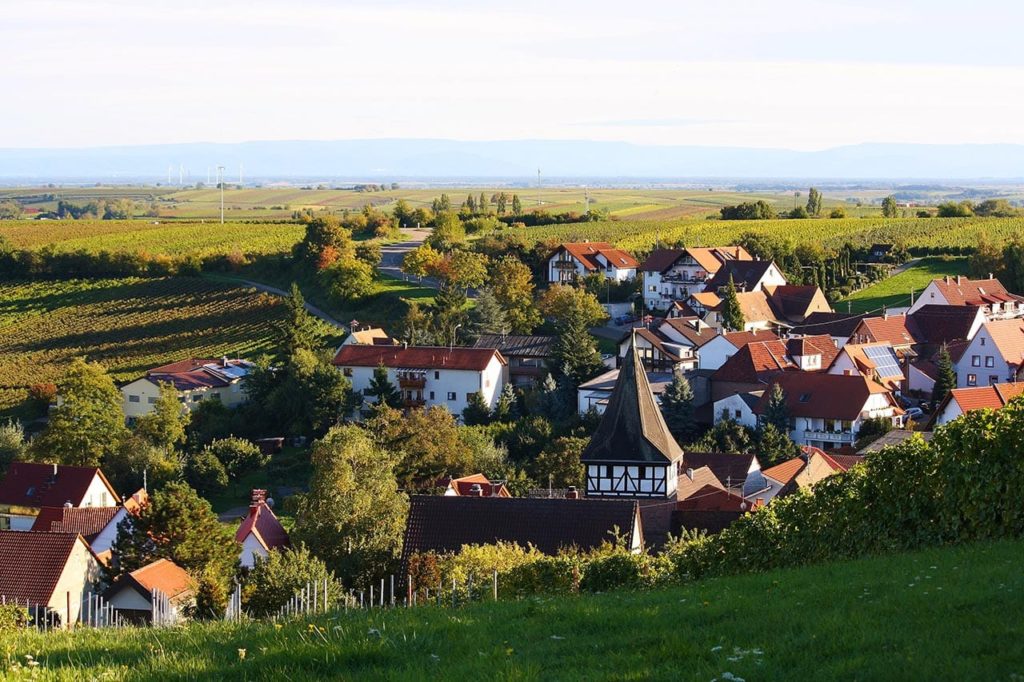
{"points": [[275, 579], [13, 617], [237, 455]]}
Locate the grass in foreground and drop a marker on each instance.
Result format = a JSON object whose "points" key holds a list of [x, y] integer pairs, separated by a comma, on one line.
{"points": [[939, 614], [895, 292]]}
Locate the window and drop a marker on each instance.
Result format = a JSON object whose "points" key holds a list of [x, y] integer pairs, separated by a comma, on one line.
{"points": [[972, 379], [737, 414], [215, 396], [431, 395], [437, 375], [451, 395], [975, 361], [347, 371], [133, 398], [993, 380], [990, 361], [151, 400], [197, 398], [983, 340]]}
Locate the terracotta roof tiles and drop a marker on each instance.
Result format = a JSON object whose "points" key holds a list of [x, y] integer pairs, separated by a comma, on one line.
{"points": [[29, 484], [31, 563], [417, 357]]}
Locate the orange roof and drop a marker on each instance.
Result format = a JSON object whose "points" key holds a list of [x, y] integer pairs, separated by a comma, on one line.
{"points": [[587, 252], [756, 307], [1008, 335], [891, 328], [785, 472], [708, 299], [963, 291], [163, 575], [711, 258], [985, 397], [740, 339], [463, 486]]}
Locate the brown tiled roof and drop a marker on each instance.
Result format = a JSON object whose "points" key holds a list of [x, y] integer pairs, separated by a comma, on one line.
{"points": [[793, 301], [445, 523], [183, 366], [684, 327], [417, 357], [833, 324], [701, 477], [84, 521], [963, 291], [29, 484], [730, 469], [464, 486], [265, 527], [710, 498], [661, 260], [756, 308], [740, 339], [826, 396], [195, 373], [745, 274], [896, 329], [632, 428], [785, 472], [938, 324], [759, 361], [656, 342], [587, 252], [846, 462], [31, 563], [708, 258]]}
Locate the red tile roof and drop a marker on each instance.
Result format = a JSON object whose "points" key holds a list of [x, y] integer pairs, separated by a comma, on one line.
{"points": [[740, 339], [823, 396], [708, 258], [713, 498], [264, 526], [963, 291], [896, 329], [464, 485], [985, 397], [183, 366], [196, 373], [785, 472], [84, 521], [758, 361], [587, 252], [29, 484], [693, 480], [31, 563], [417, 357], [163, 575]]}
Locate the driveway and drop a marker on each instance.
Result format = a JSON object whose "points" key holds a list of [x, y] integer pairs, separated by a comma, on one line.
{"points": [[393, 254]]}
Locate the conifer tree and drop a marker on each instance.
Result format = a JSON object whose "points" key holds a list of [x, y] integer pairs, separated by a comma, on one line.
{"points": [[299, 329], [776, 412], [517, 205], [677, 408], [732, 314], [383, 390], [576, 352], [476, 412], [946, 379], [487, 316]]}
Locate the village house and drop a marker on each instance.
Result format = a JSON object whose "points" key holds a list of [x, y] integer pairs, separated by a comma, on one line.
{"points": [[29, 487], [714, 353], [755, 364], [738, 473], [840, 326], [51, 572], [705, 504], [260, 530], [476, 485], [367, 336], [657, 352], [995, 355], [596, 393], [439, 523], [996, 302], [195, 380], [827, 410], [747, 276], [572, 261], [528, 356], [876, 361], [132, 594], [771, 307], [673, 274], [960, 401], [97, 525], [428, 375], [811, 466]]}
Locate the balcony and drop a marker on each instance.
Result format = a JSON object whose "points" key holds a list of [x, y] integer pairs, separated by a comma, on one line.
{"points": [[830, 436], [412, 380]]}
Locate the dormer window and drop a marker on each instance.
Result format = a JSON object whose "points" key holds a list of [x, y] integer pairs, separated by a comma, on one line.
{"points": [[805, 397]]}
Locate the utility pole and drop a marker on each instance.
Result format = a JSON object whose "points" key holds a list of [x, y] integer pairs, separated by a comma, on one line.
{"points": [[538, 186], [220, 173]]}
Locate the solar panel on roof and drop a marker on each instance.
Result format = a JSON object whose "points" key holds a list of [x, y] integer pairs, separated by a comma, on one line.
{"points": [[886, 362]]}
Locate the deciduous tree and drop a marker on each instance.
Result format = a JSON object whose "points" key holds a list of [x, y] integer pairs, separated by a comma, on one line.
{"points": [[164, 427]]}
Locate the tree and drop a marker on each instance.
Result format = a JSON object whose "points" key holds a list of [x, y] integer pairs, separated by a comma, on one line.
{"points": [[562, 303], [353, 516], [238, 455], [383, 390], [677, 409], [1012, 272], [324, 233], [871, 430], [753, 210], [12, 444], [576, 354], [837, 212], [422, 261], [426, 442], [164, 427], [137, 462], [512, 284], [88, 424], [487, 316], [467, 269], [348, 279], [299, 329], [507, 407], [945, 379], [206, 473], [813, 202], [776, 411], [727, 435], [179, 525], [477, 412], [732, 313], [987, 259], [416, 326], [774, 446], [889, 207], [276, 578], [517, 205], [999, 208], [952, 209], [10, 210], [448, 232], [502, 203], [559, 463]]}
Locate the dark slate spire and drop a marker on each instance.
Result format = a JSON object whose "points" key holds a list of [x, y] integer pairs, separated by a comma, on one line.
{"points": [[632, 428]]}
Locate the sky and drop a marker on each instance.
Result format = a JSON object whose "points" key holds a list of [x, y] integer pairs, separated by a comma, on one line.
{"points": [[796, 74]]}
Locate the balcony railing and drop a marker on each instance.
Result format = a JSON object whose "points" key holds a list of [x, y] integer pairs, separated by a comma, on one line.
{"points": [[412, 381], [833, 436]]}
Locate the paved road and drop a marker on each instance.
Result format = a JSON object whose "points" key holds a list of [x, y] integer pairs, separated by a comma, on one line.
{"points": [[313, 310], [393, 254]]}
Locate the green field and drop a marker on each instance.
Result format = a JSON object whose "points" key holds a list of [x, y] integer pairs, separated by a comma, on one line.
{"points": [[129, 325], [896, 291], [950, 614]]}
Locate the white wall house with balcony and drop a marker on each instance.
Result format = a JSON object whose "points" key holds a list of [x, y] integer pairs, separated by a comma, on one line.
{"points": [[428, 375], [572, 261], [673, 274]]}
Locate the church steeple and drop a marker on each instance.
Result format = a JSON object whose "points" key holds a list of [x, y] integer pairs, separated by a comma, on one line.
{"points": [[632, 453]]}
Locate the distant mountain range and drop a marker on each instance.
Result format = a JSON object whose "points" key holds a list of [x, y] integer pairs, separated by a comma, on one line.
{"points": [[392, 159]]}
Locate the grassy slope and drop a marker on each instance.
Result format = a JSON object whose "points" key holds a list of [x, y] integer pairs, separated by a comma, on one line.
{"points": [[895, 291], [938, 614]]}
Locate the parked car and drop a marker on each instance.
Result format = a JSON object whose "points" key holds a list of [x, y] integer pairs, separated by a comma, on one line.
{"points": [[915, 413]]}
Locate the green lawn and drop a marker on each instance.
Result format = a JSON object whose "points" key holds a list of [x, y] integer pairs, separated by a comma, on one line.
{"points": [[951, 614], [895, 291]]}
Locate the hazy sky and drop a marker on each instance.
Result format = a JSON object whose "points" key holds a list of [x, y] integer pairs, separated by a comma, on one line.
{"points": [[802, 74]]}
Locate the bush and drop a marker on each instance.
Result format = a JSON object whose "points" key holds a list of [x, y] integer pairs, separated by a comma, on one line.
{"points": [[275, 579], [238, 455], [206, 473], [13, 617]]}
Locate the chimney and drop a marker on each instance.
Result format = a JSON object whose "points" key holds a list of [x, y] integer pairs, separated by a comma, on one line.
{"points": [[958, 279], [258, 496], [224, 361], [990, 276], [689, 473], [476, 490], [572, 493]]}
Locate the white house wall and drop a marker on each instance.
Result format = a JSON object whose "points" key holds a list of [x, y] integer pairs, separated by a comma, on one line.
{"points": [[80, 574], [441, 382], [714, 353], [736, 408], [251, 550]]}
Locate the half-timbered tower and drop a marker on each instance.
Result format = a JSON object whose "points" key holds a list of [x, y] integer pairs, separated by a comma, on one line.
{"points": [[632, 453]]}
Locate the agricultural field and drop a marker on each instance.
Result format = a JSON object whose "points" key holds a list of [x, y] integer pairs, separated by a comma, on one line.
{"points": [[153, 237], [897, 291], [939, 614], [941, 234], [129, 325]]}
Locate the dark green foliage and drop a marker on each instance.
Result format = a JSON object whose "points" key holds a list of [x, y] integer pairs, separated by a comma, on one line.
{"points": [[238, 455], [477, 411], [299, 330], [12, 444], [774, 446], [487, 316], [206, 473], [677, 409], [871, 430], [559, 463], [889, 207], [732, 314], [507, 407], [946, 379], [776, 412], [813, 202], [952, 209], [727, 435], [281, 575], [754, 210], [383, 391], [1012, 272]]}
